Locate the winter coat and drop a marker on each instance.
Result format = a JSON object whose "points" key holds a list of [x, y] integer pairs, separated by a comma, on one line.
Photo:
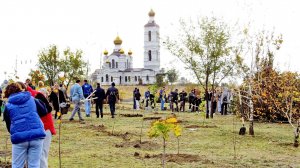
{"points": [[100, 94], [87, 90], [112, 94], [56, 99], [22, 118]]}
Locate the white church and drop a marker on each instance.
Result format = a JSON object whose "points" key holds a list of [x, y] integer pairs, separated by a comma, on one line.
{"points": [[117, 65]]}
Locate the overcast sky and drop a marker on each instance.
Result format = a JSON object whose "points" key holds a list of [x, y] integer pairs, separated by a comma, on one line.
{"points": [[27, 26]]}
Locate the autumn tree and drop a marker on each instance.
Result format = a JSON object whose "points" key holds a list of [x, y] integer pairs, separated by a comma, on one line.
{"points": [[205, 49], [72, 65], [48, 63], [36, 76]]}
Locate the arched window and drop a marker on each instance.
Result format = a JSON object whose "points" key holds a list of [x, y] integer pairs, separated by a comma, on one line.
{"points": [[116, 64], [120, 80], [102, 79], [109, 64], [149, 35], [147, 78], [129, 78], [111, 79], [135, 78], [125, 78], [106, 77], [113, 63], [149, 55], [127, 64]]}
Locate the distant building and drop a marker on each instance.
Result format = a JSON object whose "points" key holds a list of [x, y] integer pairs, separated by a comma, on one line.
{"points": [[117, 65]]}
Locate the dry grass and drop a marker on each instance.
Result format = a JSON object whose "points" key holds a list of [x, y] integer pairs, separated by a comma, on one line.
{"points": [[92, 144]]}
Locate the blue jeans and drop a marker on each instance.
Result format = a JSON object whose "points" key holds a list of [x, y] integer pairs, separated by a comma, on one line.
{"points": [[46, 148], [87, 105], [30, 151], [162, 104]]}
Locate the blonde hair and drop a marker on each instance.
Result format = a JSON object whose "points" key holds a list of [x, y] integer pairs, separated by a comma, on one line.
{"points": [[41, 84]]}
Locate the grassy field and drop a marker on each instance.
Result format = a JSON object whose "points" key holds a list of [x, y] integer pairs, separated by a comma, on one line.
{"points": [[204, 143]]}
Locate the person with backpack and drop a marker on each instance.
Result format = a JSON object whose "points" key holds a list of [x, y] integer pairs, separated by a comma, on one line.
{"points": [[100, 96], [112, 96], [22, 116], [76, 95], [87, 91]]}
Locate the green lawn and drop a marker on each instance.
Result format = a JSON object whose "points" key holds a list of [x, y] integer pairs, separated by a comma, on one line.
{"points": [[90, 145]]}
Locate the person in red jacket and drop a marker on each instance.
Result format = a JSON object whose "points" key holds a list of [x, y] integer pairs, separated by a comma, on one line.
{"points": [[48, 125]]}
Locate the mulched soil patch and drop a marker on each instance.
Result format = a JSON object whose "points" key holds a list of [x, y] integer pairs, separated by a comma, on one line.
{"points": [[96, 127], [131, 115], [5, 165], [201, 126], [148, 145], [151, 118], [181, 158]]}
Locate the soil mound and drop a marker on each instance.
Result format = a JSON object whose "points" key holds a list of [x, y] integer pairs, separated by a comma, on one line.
{"points": [[181, 158], [131, 115], [151, 118], [148, 145]]}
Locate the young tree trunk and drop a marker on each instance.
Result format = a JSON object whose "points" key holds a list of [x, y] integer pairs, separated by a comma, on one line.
{"points": [[296, 133], [164, 153], [251, 127]]}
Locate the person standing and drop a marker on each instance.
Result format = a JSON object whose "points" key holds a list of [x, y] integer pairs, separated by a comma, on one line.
{"points": [[162, 97], [100, 96], [174, 100], [42, 89], [76, 95], [134, 102], [112, 96], [56, 97], [182, 97], [29, 83], [191, 100], [64, 90], [147, 97], [87, 91], [137, 97], [22, 116], [224, 101]]}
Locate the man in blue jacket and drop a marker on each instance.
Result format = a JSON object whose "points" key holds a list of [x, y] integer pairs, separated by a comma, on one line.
{"points": [[87, 90], [76, 95]]}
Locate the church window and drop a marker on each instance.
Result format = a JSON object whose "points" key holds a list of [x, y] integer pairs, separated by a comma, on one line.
{"points": [[109, 64], [113, 63], [135, 78], [111, 79], [147, 78], [149, 35], [125, 78], [149, 55], [120, 80], [102, 79], [106, 77], [116, 64], [129, 78], [127, 64]]}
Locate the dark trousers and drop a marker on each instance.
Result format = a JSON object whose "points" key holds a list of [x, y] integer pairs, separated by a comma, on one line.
{"points": [[182, 106], [99, 105], [224, 109], [112, 106], [147, 102], [172, 106]]}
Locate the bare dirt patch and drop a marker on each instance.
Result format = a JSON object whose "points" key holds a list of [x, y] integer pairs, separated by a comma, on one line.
{"points": [[201, 126], [148, 145], [151, 118], [96, 127], [181, 158], [131, 115]]}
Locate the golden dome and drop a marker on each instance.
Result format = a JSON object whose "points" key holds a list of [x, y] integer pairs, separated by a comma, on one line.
{"points": [[121, 51], [105, 52], [130, 52], [151, 13], [118, 41]]}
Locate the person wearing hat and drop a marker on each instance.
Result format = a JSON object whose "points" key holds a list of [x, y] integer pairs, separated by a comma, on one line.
{"points": [[112, 96]]}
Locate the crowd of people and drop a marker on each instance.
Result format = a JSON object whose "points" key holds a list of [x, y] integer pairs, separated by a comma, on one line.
{"points": [[217, 101], [27, 113], [29, 120]]}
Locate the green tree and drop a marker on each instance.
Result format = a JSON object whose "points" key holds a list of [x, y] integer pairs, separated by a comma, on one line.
{"points": [[205, 50], [48, 63], [72, 66], [172, 75]]}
